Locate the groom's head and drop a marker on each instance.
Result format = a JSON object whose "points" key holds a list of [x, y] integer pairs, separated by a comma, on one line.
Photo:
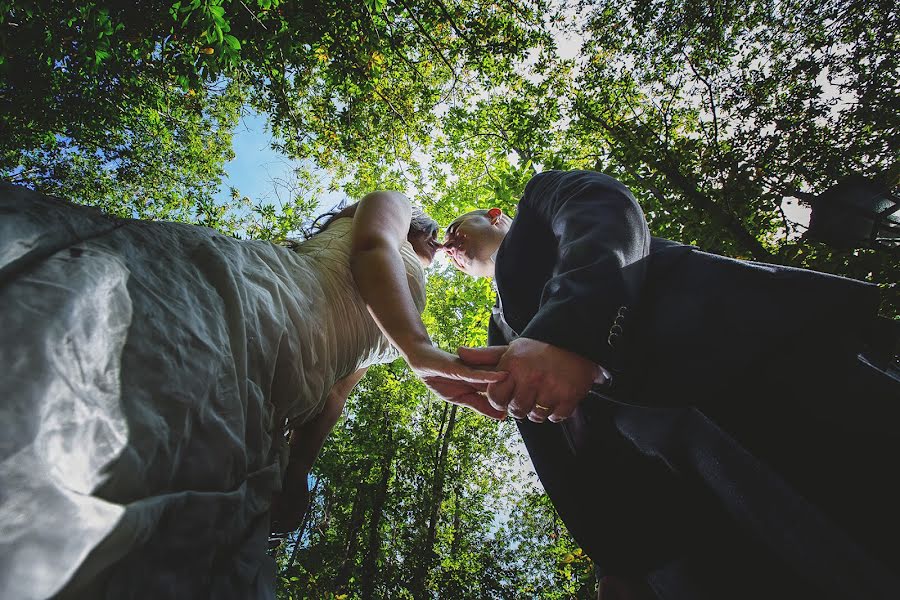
{"points": [[473, 238]]}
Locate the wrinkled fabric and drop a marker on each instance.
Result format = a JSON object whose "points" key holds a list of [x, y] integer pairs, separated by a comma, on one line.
{"points": [[148, 368]]}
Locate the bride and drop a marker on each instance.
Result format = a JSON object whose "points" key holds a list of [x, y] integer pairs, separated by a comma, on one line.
{"points": [[150, 371]]}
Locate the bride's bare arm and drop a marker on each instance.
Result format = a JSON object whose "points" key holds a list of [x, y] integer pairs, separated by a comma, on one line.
{"points": [[307, 440], [380, 226]]}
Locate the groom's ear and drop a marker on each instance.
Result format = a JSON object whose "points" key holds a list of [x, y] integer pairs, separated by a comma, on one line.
{"points": [[494, 215]]}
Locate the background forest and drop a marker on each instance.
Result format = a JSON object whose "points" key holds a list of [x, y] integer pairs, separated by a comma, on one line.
{"points": [[723, 117]]}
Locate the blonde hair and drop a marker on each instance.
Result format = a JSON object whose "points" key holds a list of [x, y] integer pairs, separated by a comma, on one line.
{"points": [[421, 222]]}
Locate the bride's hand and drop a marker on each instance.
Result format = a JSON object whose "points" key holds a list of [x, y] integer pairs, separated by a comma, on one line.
{"points": [[454, 381]]}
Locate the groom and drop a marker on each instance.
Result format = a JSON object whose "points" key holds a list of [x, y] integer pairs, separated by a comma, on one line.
{"points": [[690, 359]]}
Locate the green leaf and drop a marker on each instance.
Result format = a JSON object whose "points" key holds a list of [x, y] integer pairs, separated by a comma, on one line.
{"points": [[233, 42], [375, 6]]}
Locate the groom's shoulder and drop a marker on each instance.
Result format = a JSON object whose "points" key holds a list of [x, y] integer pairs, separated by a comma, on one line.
{"points": [[566, 176], [571, 182]]}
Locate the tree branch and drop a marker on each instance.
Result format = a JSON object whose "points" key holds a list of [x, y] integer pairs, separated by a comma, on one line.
{"points": [[701, 202], [712, 103], [434, 45]]}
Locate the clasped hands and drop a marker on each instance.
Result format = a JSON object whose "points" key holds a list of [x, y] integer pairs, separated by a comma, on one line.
{"points": [[527, 378]]}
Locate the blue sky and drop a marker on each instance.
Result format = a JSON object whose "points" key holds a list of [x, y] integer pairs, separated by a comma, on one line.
{"points": [[258, 171], [255, 165]]}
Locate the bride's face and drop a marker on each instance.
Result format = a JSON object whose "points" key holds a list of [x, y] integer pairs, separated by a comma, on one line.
{"points": [[425, 245]]}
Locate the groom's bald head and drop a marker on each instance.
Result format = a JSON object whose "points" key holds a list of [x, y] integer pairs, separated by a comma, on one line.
{"points": [[480, 212], [472, 239]]}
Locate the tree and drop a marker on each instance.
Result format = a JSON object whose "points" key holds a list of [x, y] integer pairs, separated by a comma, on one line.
{"points": [[718, 113], [714, 116], [86, 90]]}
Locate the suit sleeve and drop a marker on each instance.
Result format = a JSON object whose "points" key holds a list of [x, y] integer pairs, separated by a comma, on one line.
{"points": [[602, 237]]}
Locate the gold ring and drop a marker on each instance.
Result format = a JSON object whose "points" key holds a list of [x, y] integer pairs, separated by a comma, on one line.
{"points": [[541, 406]]}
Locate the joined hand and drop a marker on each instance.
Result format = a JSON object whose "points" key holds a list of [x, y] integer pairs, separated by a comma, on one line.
{"points": [[545, 382], [456, 382]]}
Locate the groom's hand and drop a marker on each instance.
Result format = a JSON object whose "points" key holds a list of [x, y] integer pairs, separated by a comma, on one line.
{"points": [[544, 382]]}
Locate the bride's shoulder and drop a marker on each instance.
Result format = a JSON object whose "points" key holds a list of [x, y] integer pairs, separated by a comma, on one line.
{"points": [[341, 225], [336, 231]]}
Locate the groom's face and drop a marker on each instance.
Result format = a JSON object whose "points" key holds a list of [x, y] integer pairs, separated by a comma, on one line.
{"points": [[470, 241]]}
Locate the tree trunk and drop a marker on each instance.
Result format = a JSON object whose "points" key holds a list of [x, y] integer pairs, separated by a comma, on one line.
{"points": [[437, 491], [373, 547], [357, 516], [457, 518]]}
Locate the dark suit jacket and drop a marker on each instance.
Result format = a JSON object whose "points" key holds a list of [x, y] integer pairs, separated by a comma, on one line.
{"points": [[702, 340]]}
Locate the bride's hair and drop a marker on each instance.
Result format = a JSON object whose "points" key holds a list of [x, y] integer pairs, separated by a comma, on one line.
{"points": [[419, 222]]}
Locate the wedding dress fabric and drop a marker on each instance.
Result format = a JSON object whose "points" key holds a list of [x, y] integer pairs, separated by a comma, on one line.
{"points": [[147, 367]]}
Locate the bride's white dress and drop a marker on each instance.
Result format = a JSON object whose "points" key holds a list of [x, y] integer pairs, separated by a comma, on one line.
{"points": [[145, 369]]}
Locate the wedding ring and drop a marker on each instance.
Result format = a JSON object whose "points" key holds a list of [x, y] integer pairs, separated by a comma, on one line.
{"points": [[542, 407]]}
